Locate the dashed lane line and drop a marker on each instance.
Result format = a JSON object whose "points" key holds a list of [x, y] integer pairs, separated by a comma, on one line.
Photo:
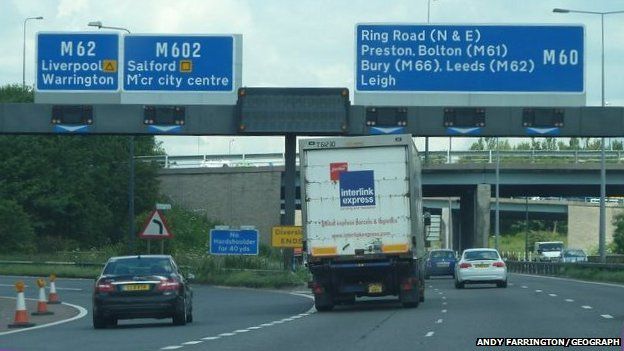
{"points": [[538, 291], [240, 331], [439, 321], [429, 334], [569, 300], [443, 311], [586, 307], [552, 295], [524, 287]]}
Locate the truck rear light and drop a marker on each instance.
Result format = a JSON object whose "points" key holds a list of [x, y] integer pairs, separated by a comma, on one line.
{"points": [[104, 288], [498, 264], [317, 288], [465, 265], [169, 285]]}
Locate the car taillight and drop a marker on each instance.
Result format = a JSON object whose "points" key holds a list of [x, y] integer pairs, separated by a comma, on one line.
{"points": [[104, 287], [169, 285], [498, 264], [465, 265]]}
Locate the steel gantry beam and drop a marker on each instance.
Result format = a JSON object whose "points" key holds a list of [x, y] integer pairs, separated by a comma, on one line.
{"points": [[29, 118]]}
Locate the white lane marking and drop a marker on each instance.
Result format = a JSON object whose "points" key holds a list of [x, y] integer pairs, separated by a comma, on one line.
{"points": [[587, 307], [431, 286], [195, 342], [443, 297], [511, 284], [239, 331], [607, 316], [47, 288], [439, 321], [569, 300], [443, 311], [444, 303], [553, 295], [429, 334], [81, 313], [571, 280], [538, 291], [524, 286]]}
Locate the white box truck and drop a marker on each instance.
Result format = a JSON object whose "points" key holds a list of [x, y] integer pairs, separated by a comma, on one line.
{"points": [[362, 218]]}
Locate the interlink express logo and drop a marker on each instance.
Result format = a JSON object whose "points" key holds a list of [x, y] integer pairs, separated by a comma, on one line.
{"points": [[357, 188]]}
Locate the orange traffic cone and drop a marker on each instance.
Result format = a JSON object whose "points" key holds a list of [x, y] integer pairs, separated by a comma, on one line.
{"points": [[42, 306], [53, 297], [21, 315]]}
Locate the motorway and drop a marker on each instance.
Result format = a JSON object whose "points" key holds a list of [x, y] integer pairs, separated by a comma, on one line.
{"points": [[247, 319]]}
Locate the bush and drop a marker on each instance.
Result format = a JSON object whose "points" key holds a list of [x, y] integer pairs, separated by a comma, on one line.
{"points": [[618, 234], [16, 231]]}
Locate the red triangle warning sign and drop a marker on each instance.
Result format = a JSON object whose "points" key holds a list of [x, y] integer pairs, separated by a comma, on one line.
{"points": [[156, 227]]}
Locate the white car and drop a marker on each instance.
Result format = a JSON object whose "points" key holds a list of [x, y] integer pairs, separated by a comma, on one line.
{"points": [[478, 266]]}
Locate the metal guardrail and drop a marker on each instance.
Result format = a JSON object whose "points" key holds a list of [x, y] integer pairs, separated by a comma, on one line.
{"points": [[55, 263], [558, 268], [434, 157]]}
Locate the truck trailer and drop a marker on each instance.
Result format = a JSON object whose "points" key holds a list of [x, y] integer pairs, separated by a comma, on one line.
{"points": [[362, 218]]}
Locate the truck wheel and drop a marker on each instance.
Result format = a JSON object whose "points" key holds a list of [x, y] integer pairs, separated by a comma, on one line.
{"points": [[410, 299], [421, 296], [323, 302]]}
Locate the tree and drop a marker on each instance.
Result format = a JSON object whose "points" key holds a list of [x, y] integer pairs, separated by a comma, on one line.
{"points": [[73, 189], [618, 233]]}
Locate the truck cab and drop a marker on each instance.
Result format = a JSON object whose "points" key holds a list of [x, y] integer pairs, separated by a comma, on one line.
{"points": [[548, 251]]}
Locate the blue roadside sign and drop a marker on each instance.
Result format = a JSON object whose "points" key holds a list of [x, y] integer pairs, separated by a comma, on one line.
{"points": [[77, 62], [470, 58], [190, 63], [234, 242]]}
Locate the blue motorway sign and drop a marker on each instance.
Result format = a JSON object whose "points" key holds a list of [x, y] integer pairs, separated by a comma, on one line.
{"points": [[77, 62], [234, 242], [178, 63], [469, 58]]}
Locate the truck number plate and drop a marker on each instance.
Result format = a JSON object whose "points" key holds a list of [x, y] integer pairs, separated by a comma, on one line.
{"points": [[375, 288]]}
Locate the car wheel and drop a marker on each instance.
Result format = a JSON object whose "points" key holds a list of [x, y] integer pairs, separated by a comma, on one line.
{"points": [[180, 314], [98, 321], [189, 316], [459, 285], [502, 284]]}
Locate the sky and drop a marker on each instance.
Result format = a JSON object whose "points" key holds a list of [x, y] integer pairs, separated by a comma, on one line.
{"points": [[306, 43]]}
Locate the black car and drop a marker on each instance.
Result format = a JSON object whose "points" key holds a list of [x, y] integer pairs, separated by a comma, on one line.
{"points": [[143, 286]]}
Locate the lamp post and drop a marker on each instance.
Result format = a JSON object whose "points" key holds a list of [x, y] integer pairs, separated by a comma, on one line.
{"points": [[24, 49], [131, 228], [603, 175]]}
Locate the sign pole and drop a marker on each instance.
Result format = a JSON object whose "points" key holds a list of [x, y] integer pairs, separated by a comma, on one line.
{"points": [[148, 246], [162, 247]]}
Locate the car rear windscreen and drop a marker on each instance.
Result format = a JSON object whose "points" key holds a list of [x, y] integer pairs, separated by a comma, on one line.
{"points": [[139, 266], [442, 254], [480, 255]]}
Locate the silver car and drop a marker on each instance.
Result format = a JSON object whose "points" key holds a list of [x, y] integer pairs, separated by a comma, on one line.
{"points": [[573, 255], [478, 266]]}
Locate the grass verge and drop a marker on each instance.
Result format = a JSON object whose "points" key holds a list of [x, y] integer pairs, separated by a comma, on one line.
{"points": [[595, 275], [239, 278], [63, 271]]}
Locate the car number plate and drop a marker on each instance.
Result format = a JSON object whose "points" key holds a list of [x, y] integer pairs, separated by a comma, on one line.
{"points": [[375, 288], [135, 287], [443, 264], [482, 265]]}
